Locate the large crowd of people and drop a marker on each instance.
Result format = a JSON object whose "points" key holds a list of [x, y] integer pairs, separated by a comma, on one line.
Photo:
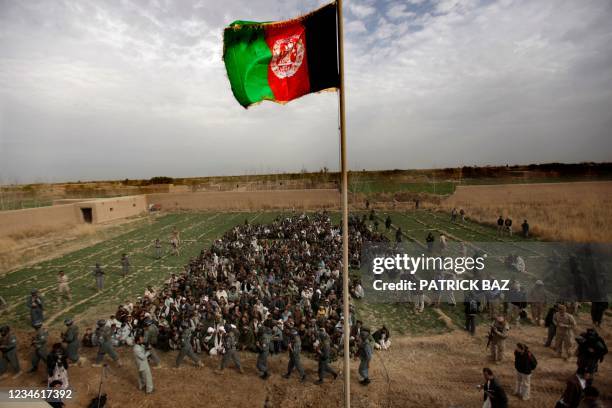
{"points": [[277, 288]]}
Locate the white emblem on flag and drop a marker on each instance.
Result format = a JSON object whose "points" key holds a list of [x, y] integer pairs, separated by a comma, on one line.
{"points": [[287, 56]]}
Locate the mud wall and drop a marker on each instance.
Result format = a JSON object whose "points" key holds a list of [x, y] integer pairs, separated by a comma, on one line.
{"points": [[109, 209], [35, 220], [247, 200]]}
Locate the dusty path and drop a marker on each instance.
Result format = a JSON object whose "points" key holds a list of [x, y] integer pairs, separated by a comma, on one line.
{"points": [[430, 371]]}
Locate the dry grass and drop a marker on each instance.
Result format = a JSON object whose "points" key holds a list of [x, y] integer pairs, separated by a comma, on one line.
{"points": [[39, 243], [561, 211]]}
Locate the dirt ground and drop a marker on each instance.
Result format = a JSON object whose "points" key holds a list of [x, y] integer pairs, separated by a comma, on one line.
{"points": [[431, 371]]}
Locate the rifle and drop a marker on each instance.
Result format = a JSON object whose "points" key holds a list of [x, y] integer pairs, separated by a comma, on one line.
{"points": [[489, 337]]}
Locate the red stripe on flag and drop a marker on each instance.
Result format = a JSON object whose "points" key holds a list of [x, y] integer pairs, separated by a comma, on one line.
{"points": [[288, 68]]}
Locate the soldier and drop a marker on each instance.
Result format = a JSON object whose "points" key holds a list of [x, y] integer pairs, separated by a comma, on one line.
{"points": [[62, 285], [537, 297], [263, 345], [388, 223], [324, 350], [99, 275], [565, 324], [186, 348], [125, 264], [365, 355], [229, 344], [105, 344], [141, 356], [8, 347], [497, 338], [39, 342], [151, 333], [36, 305], [71, 338], [295, 347]]}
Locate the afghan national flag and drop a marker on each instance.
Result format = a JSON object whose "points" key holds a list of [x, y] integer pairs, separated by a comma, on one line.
{"points": [[281, 61]]}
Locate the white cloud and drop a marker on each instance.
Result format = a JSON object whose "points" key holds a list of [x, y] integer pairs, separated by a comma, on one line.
{"points": [[398, 11], [107, 90], [361, 10], [355, 26]]}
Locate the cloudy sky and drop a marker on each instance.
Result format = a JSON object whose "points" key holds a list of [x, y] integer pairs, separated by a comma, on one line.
{"points": [[94, 89]]}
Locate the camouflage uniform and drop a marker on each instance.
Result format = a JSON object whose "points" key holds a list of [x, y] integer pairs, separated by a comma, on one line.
{"points": [[498, 335], [565, 324]]}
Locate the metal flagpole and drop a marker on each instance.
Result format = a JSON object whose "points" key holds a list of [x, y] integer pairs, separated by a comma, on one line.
{"points": [[345, 238]]}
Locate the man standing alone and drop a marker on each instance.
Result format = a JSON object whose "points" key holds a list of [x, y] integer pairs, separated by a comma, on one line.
{"points": [[141, 356], [36, 306], [62, 285], [99, 275], [365, 355], [524, 363], [125, 264]]}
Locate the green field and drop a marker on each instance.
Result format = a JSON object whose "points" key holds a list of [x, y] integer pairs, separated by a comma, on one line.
{"points": [[198, 230]]}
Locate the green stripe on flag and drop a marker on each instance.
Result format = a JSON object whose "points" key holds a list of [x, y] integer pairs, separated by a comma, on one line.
{"points": [[247, 56]]}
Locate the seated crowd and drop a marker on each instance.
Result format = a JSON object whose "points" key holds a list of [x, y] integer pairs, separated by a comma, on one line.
{"points": [[286, 274]]}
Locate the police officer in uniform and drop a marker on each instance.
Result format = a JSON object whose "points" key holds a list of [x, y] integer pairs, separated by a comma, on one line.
{"points": [[36, 305], [71, 338], [104, 336], [151, 333], [324, 351], [229, 344], [263, 345], [39, 342], [8, 347], [365, 355], [295, 347], [186, 348]]}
